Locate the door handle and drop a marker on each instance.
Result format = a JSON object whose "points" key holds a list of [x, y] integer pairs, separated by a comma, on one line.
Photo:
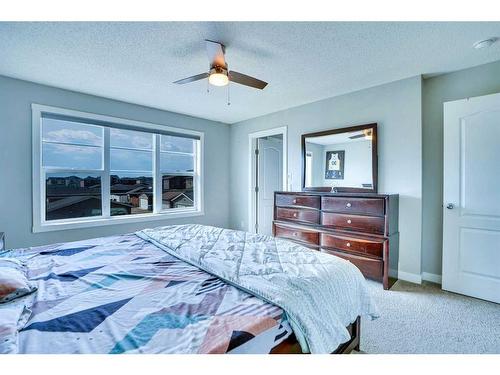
{"points": [[450, 206]]}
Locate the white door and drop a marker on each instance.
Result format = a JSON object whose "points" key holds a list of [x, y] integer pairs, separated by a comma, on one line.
{"points": [[471, 217], [269, 180]]}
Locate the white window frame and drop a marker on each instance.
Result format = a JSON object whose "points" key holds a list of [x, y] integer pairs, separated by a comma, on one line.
{"points": [[38, 174]]}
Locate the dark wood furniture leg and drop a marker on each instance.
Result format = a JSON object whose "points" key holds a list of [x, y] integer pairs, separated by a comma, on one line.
{"points": [[291, 345], [353, 343]]}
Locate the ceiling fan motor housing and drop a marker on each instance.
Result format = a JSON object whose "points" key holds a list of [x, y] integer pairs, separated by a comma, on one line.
{"points": [[218, 70]]}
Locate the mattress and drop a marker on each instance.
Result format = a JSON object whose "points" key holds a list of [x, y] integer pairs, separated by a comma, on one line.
{"points": [[121, 294]]}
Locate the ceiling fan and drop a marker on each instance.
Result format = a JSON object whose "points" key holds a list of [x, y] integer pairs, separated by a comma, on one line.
{"points": [[218, 74]]}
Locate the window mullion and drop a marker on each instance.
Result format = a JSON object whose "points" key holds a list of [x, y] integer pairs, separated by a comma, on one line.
{"points": [[43, 195], [197, 181], [106, 176], [157, 178]]}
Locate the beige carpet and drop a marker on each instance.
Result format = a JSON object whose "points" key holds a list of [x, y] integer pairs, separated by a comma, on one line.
{"points": [[425, 319]]}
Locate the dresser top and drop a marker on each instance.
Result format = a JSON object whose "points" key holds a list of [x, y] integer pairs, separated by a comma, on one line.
{"points": [[330, 194]]}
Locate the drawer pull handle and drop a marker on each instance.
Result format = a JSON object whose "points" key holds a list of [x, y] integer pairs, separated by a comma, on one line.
{"points": [[348, 205], [294, 201], [349, 221], [294, 234], [348, 244], [295, 214]]}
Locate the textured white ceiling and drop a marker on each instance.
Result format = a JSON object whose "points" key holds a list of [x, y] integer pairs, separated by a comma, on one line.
{"points": [[302, 61]]}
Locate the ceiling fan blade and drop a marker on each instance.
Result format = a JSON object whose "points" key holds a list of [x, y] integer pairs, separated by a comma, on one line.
{"points": [[215, 53], [192, 78], [243, 79]]}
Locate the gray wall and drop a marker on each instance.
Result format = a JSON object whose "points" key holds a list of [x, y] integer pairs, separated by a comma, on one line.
{"points": [[477, 81], [16, 97], [396, 107]]}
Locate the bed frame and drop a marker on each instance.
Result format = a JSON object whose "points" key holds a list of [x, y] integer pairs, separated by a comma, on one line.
{"points": [[291, 345]]}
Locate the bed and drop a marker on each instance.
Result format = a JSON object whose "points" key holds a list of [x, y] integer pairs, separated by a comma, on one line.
{"points": [[186, 289]]}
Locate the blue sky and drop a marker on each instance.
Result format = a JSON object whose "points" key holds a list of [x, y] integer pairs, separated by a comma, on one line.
{"points": [[75, 145]]}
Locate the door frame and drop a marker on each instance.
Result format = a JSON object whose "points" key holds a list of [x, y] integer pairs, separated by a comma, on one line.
{"points": [[252, 141], [453, 193]]}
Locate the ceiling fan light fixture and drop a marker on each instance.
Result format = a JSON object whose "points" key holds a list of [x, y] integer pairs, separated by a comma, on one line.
{"points": [[218, 79]]}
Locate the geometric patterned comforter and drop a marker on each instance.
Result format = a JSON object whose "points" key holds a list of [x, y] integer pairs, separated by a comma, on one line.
{"points": [[121, 294], [320, 294]]}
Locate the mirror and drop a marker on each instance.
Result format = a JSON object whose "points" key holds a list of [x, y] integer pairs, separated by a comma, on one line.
{"points": [[340, 160]]}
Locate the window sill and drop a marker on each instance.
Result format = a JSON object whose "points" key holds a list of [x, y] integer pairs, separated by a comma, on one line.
{"points": [[89, 223]]}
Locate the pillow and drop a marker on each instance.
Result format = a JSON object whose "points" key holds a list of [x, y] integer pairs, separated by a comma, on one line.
{"points": [[13, 317], [13, 280]]}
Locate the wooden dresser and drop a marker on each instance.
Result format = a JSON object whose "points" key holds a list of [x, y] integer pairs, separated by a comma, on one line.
{"points": [[359, 227]]}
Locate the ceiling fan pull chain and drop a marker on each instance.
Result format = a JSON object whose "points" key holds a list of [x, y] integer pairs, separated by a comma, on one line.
{"points": [[208, 87], [228, 95]]}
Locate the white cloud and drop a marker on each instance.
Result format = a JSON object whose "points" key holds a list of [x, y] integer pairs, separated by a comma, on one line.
{"points": [[131, 139], [74, 151], [73, 136]]}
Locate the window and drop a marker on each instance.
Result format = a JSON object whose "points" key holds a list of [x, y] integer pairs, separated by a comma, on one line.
{"points": [[92, 170], [131, 172], [177, 171]]}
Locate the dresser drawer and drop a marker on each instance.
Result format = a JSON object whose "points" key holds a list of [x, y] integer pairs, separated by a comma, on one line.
{"points": [[349, 244], [296, 234], [369, 224], [298, 214], [369, 267], [305, 244], [310, 201], [361, 206]]}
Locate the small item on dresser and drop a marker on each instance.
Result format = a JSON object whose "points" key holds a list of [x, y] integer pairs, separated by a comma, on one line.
{"points": [[359, 227]]}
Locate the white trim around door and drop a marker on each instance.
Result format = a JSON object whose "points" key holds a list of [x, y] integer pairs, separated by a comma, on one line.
{"points": [[252, 139]]}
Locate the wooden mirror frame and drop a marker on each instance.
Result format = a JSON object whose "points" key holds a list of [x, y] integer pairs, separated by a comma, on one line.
{"points": [[340, 189]]}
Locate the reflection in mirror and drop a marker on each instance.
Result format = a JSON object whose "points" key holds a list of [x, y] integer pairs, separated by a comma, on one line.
{"points": [[340, 159]]}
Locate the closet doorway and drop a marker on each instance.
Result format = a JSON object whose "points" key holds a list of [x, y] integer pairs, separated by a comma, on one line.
{"points": [[267, 175]]}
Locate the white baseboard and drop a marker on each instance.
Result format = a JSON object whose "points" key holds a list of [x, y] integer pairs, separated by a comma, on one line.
{"points": [[417, 279], [432, 277], [410, 277]]}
